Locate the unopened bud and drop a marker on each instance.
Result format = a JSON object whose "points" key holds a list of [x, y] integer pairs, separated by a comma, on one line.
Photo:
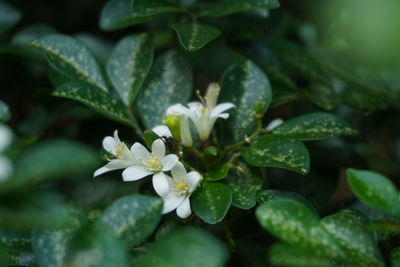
{"points": [[173, 123], [210, 153], [259, 109]]}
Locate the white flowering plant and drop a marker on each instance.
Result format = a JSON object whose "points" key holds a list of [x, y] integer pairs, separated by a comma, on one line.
{"points": [[212, 133]]}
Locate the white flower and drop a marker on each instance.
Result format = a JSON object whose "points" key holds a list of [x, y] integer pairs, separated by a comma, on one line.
{"points": [[6, 168], [155, 163], [124, 157], [162, 130], [183, 113], [182, 185], [205, 115], [274, 123]]}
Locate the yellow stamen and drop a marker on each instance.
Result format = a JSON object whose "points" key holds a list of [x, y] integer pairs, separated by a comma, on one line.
{"points": [[153, 162], [183, 186]]}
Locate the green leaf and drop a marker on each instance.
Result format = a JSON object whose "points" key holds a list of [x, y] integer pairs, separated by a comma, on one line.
{"points": [[9, 16], [118, 14], [98, 100], [375, 190], [244, 182], [211, 202], [129, 64], [294, 223], [278, 151], [133, 218], [218, 173], [72, 58], [194, 36], [49, 160], [244, 84], [149, 137], [4, 112], [314, 126], [395, 257], [169, 82], [321, 95], [225, 7], [185, 247], [354, 238], [282, 254]]}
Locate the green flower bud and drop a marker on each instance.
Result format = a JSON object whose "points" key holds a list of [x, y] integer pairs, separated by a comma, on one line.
{"points": [[259, 109], [210, 153], [174, 124]]}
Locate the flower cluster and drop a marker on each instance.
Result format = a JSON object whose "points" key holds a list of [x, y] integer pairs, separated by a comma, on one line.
{"points": [[170, 179]]}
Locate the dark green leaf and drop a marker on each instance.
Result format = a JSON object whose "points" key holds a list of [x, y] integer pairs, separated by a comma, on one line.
{"points": [[98, 100], [225, 7], [169, 82], [30, 33], [375, 190], [395, 257], [129, 64], [72, 58], [194, 36], [185, 247], [9, 16], [211, 202], [4, 112], [133, 218], [118, 14], [278, 151], [314, 126], [217, 173], [149, 137], [244, 182], [244, 84], [321, 95]]}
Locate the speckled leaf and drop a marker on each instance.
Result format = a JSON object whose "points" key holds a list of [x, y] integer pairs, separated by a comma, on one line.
{"points": [[375, 190], [211, 202], [4, 112], [118, 14], [244, 184], [129, 64], [292, 222], [218, 173], [355, 239], [9, 16], [244, 84], [133, 218], [194, 36], [169, 82], [278, 151], [185, 247], [225, 7], [98, 100], [314, 126], [72, 58], [282, 254]]}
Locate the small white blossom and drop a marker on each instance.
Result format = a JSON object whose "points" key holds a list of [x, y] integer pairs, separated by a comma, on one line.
{"points": [[162, 130], [155, 163], [123, 156], [183, 113], [274, 123], [182, 185], [205, 115]]}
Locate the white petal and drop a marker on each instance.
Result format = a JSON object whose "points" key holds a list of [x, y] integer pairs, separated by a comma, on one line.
{"points": [[168, 162], [5, 137], [6, 168], [186, 135], [109, 144], [162, 130], [158, 149], [140, 152], [102, 170], [194, 179], [120, 164], [135, 173], [195, 105], [212, 94], [116, 137], [179, 172], [171, 201], [177, 109], [183, 209], [160, 183], [274, 123], [221, 108]]}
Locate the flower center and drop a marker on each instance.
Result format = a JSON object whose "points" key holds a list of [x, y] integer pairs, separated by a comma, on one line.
{"points": [[118, 153], [183, 188], [154, 164]]}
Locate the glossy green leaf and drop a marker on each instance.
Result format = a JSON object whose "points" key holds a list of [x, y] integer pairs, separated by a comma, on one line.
{"points": [[294, 223], [194, 36], [9, 16], [244, 84], [4, 112], [218, 173], [129, 64], [314, 126], [354, 238], [375, 190], [225, 7], [185, 247], [118, 14], [211, 202], [133, 218], [98, 100], [169, 82], [72, 58], [278, 151], [244, 182]]}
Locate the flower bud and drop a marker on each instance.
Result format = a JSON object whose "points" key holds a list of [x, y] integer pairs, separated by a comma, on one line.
{"points": [[210, 153], [173, 123], [259, 109]]}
